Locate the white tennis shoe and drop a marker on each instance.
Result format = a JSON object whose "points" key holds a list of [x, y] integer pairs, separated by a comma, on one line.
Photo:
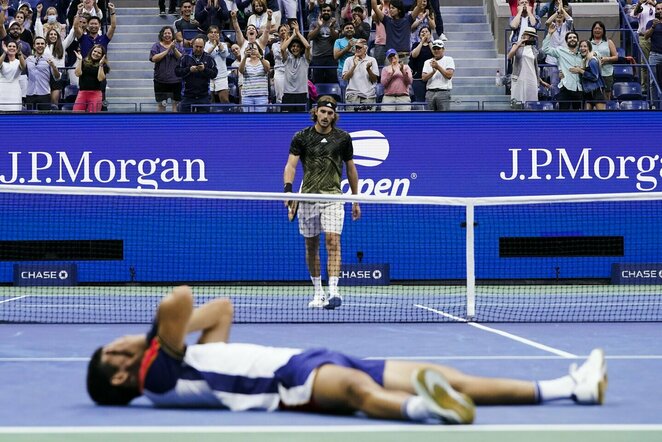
{"points": [[318, 301], [590, 379], [450, 406]]}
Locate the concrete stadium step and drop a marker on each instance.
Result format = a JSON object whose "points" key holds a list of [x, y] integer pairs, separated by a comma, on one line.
{"points": [[484, 35], [130, 65], [456, 10], [450, 27], [141, 29], [461, 62], [151, 19], [130, 82], [141, 73], [126, 37], [465, 18]]}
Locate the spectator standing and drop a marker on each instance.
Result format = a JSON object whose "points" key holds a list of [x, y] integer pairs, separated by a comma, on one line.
{"points": [[92, 37], [279, 66], [563, 24], [525, 77], [361, 72], [296, 57], [51, 21], [644, 12], [255, 69], [259, 18], [396, 79], [379, 51], [91, 71], [425, 18], [419, 54], [219, 51], [361, 28], [185, 23], [592, 83], [438, 72], [654, 34], [196, 69], [56, 49], [12, 63], [554, 7], [165, 54], [523, 19], [605, 50], [343, 48], [397, 25], [211, 13], [251, 33], [570, 88], [40, 68], [26, 34], [323, 35]]}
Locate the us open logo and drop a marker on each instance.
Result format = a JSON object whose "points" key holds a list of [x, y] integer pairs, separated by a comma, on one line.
{"points": [[371, 148]]}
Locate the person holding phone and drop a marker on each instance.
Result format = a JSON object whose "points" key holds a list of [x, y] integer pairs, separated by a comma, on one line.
{"points": [[196, 69]]}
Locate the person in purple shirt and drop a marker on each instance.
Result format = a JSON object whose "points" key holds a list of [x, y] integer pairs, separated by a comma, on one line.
{"points": [[165, 55], [39, 69]]}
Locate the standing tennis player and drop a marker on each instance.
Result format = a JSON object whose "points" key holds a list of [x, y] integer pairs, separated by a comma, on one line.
{"points": [[322, 149], [240, 377]]}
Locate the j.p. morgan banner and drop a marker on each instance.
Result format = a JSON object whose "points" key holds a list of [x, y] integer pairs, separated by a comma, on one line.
{"points": [[449, 154]]}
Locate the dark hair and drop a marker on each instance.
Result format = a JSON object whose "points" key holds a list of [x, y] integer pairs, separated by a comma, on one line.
{"points": [[424, 27], [99, 387], [162, 31], [397, 4], [94, 17], [58, 49], [87, 61], [571, 33], [602, 25], [325, 99], [347, 23]]}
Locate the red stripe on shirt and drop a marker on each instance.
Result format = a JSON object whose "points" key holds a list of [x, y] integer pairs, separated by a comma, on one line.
{"points": [[148, 358]]}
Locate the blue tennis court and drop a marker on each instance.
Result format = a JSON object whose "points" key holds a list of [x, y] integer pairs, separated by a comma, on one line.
{"points": [[44, 395]]}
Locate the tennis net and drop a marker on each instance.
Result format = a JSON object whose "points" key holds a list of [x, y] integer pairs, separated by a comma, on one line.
{"points": [[90, 255]]}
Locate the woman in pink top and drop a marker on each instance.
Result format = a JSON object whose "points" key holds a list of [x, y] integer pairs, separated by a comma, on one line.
{"points": [[396, 79]]}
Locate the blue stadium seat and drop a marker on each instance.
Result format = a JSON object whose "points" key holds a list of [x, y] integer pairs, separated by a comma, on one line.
{"points": [[190, 34], [627, 91], [620, 52], [633, 105], [418, 87], [539, 105], [623, 72], [612, 105], [332, 89], [69, 93]]}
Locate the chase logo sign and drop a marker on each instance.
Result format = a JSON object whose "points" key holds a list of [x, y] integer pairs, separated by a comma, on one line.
{"points": [[636, 274], [44, 275], [364, 274]]}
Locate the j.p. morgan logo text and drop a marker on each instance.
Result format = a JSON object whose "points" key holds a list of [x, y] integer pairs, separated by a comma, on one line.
{"points": [[558, 164], [62, 168]]}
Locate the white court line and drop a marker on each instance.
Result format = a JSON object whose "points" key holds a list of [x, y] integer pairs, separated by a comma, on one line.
{"points": [[14, 299], [335, 429], [520, 339]]}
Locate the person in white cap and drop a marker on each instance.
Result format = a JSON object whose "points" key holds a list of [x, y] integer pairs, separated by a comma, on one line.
{"points": [[438, 73]]}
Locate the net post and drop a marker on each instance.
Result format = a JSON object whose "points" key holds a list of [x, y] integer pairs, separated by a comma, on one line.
{"points": [[471, 264]]}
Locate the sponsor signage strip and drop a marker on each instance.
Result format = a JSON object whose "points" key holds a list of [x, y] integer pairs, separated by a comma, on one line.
{"points": [[463, 154]]}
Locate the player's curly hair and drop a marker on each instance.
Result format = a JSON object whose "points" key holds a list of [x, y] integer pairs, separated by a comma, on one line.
{"points": [[325, 99], [99, 386]]}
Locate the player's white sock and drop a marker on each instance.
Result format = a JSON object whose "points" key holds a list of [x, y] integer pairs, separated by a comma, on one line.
{"points": [[317, 283], [415, 409], [553, 389], [333, 285]]}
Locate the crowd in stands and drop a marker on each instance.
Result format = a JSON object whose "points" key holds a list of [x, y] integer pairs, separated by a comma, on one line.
{"points": [[575, 72], [263, 52]]}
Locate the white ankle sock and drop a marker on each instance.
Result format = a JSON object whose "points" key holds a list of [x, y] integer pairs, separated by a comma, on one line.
{"points": [[317, 283], [415, 409], [333, 284], [554, 389]]}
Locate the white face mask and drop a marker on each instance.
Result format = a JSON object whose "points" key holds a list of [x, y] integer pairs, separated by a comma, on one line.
{"points": [[52, 18]]}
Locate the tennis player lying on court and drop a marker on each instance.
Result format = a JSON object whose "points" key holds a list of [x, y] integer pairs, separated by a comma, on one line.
{"points": [[238, 377]]}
